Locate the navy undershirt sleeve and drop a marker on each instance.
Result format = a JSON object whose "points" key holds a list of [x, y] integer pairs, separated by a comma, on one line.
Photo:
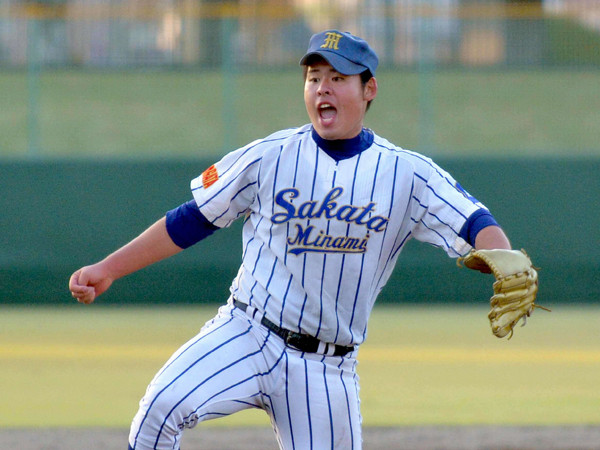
{"points": [[187, 225], [476, 222]]}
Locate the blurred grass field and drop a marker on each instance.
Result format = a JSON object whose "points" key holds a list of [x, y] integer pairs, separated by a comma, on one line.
{"points": [[184, 114], [88, 366]]}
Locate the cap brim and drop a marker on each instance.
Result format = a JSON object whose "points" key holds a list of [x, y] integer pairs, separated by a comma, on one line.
{"points": [[339, 63]]}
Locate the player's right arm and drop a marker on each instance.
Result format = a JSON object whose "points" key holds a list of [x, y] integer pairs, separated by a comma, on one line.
{"points": [[153, 245]]}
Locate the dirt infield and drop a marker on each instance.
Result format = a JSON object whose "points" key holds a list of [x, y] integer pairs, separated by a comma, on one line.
{"points": [[409, 438]]}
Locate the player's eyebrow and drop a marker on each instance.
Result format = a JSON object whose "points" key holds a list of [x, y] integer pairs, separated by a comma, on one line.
{"points": [[318, 69]]}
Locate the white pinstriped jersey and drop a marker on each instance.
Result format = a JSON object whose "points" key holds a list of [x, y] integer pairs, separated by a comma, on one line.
{"points": [[321, 237]]}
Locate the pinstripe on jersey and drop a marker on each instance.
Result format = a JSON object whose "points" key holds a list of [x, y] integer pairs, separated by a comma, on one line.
{"points": [[321, 236]]}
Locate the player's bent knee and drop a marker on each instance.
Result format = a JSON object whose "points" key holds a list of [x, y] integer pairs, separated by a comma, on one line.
{"points": [[157, 424]]}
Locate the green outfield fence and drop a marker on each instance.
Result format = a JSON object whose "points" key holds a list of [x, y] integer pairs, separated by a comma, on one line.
{"points": [[60, 215], [59, 60]]}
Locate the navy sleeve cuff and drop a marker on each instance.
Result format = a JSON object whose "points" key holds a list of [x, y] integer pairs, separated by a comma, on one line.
{"points": [[476, 222], [186, 225]]}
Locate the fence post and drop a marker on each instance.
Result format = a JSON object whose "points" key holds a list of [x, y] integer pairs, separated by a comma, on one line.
{"points": [[228, 71], [33, 87], [425, 70]]}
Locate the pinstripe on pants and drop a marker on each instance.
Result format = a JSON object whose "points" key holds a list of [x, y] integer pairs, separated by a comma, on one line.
{"points": [[235, 363]]}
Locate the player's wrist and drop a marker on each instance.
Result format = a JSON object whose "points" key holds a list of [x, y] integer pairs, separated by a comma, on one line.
{"points": [[109, 269]]}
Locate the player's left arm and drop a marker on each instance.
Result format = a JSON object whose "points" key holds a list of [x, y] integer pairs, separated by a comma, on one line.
{"points": [[492, 237]]}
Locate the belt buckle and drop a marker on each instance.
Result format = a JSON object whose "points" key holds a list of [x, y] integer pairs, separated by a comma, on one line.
{"points": [[294, 340]]}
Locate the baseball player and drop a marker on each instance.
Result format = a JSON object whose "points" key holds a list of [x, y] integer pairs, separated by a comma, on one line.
{"points": [[327, 209]]}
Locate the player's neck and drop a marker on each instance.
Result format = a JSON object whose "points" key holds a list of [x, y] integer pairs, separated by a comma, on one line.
{"points": [[345, 148]]}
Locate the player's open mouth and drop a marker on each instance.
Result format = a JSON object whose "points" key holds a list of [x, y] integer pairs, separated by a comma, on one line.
{"points": [[327, 112]]}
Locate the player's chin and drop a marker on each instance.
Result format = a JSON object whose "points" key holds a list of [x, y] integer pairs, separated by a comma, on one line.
{"points": [[327, 131]]}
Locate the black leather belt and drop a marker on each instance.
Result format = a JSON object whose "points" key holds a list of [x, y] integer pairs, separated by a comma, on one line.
{"points": [[302, 342]]}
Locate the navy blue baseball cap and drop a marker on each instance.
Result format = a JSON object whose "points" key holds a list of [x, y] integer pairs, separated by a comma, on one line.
{"points": [[348, 54]]}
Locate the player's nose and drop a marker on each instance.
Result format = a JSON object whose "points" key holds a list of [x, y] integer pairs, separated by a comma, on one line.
{"points": [[324, 88]]}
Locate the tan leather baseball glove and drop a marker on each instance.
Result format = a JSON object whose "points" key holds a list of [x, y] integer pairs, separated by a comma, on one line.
{"points": [[515, 288]]}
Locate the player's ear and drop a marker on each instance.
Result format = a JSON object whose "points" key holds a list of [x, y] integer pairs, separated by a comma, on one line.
{"points": [[370, 90]]}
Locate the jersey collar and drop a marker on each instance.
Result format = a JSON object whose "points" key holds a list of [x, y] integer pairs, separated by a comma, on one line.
{"points": [[345, 148]]}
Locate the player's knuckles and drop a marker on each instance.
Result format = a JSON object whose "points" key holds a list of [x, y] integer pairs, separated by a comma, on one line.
{"points": [[80, 278], [86, 299], [74, 280], [83, 294]]}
